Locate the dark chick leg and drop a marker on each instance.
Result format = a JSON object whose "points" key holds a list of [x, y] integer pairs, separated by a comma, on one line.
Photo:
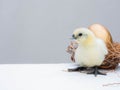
{"points": [[76, 69], [96, 72]]}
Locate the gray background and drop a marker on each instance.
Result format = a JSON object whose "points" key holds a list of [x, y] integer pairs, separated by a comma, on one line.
{"points": [[38, 31]]}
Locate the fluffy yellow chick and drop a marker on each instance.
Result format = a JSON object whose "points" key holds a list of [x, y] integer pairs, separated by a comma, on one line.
{"points": [[91, 50]]}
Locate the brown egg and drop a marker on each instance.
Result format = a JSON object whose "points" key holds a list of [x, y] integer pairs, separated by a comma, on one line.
{"points": [[101, 32]]}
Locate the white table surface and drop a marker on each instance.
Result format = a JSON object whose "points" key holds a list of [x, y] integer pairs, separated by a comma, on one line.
{"points": [[53, 77]]}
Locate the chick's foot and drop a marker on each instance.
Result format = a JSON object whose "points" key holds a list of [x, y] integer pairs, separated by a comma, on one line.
{"points": [[96, 72], [77, 69]]}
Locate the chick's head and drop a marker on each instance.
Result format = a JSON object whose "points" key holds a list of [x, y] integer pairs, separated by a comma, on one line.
{"points": [[83, 36]]}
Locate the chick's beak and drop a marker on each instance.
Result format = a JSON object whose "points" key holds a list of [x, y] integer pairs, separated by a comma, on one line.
{"points": [[73, 36]]}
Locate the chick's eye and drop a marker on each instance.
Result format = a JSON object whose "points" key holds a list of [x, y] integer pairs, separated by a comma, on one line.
{"points": [[80, 34]]}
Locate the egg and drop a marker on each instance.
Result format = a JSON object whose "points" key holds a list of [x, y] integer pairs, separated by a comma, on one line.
{"points": [[101, 32]]}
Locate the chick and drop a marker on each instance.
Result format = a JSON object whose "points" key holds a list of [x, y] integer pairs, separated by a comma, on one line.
{"points": [[91, 50]]}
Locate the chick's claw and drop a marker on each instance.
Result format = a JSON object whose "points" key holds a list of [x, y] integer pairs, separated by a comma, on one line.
{"points": [[77, 69], [96, 72]]}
